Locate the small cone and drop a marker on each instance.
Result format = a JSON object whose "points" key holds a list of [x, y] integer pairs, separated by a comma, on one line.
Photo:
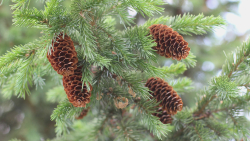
{"points": [[170, 100], [77, 95], [165, 118], [169, 42], [63, 57], [83, 114]]}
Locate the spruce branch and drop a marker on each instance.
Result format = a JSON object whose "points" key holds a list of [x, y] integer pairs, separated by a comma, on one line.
{"points": [[190, 60], [152, 122], [103, 123], [147, 7], [231, 64], [217, 127], [198, 134], [209, 113], [236, 66], [205, 105], [218, 90], [128, 128], [181, 85], [174, 69], [22, 51], [160, 20], [64, 114], [29, 18], [139, 42], [190, 24], [235, 58], [56, 94], [18, 84]]}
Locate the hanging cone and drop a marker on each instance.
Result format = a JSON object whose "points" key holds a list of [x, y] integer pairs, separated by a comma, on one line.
{"points": [[63, 57], [83, 114], [77, 95], [165, 118], [169, 42], [170, 100]]}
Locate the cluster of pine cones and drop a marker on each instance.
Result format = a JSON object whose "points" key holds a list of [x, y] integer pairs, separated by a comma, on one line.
{"points": [[63, 59], [171, 45]]}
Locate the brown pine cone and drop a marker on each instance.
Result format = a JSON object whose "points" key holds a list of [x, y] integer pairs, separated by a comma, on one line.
{"points": [[165, 118], [170, 100], [77, 95], [169, 42], [83, 114], [63, 57]]}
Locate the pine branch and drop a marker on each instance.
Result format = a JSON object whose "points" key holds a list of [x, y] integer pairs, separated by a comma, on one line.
{"points": [[235, 58], [181, 85], [220, 129], [128, 128], [205, 105], [239, 55], [18, 84], [220, 88], [224, 88], [152, 122], [198, 134], [103, 123], [140, 43], [160, 20], [56, 94], [234, 106], [19, 4], [22, 51], [174, 69], [29, 18], [190, 60], [147, 7], [189, 24], [64, 114]]}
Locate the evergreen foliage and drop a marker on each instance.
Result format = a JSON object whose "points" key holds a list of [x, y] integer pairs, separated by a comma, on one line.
{"points": [[118, 63]]}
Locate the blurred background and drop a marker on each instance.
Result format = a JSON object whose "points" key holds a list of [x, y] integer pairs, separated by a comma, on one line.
{"points": [[29, 119]]}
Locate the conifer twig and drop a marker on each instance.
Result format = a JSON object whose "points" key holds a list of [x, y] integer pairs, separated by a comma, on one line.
{"points": [[103, 123], [235, 122], [235, 68], [205, 105], [198, 134], [229, 75]]}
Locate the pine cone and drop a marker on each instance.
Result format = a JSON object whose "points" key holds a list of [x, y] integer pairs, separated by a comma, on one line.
{"points": [[83, 114], [77, 95], [63, 57], [170, 100], [165, 118], [169, 42]]}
